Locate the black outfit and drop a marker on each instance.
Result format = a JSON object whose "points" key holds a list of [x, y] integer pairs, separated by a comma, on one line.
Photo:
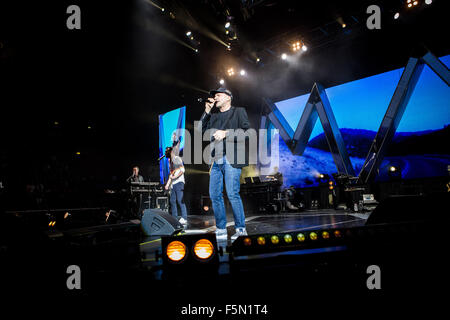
{"points": [[135, 200], [234, 118]]}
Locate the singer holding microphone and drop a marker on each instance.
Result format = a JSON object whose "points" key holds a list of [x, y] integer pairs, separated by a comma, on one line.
{"points": [[225, 167]]}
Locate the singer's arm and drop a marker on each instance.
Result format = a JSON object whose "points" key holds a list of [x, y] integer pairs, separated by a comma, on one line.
{"points": [[205, 121]]}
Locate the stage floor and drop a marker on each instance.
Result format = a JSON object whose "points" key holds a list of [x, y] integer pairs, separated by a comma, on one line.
{"points": [[265, 223]]}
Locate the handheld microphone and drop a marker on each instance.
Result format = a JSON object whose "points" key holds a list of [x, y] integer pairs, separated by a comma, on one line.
{"points": [[159, 159]]}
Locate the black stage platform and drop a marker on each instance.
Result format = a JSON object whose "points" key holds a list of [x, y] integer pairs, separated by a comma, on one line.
{"points": [[258, 224]]}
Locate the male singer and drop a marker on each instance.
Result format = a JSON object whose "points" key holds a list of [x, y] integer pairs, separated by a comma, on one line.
{"points": [[224, 166]]}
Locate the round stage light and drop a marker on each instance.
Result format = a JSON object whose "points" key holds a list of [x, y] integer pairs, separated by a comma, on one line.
{"points": [[261, 241], [247, 241], [203, 249], [344, 25], [428, 1], [325, 235], [415, 3], [221, 81], [287, 238], [162, 9], [337, 233], [321, 176], [396, 15], [313, 236], [227, 25], [258, 59], [301, 237], [284, 56], [176, 251], [274, 239], [304, 48], [205, 208], [392, 169], [243, 73], [188, 33]]}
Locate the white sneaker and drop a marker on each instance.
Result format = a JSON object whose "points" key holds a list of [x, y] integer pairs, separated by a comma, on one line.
{"points": [[239, 232], [182, 221], [221, 234]]}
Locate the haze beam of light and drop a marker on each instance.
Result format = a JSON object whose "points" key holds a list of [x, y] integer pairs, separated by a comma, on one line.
{"points": [[153, 4], [161, 31], [187, 20]]}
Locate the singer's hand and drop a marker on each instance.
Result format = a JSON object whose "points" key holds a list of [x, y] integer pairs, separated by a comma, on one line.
{"points": [[209, 105], [220, 135]]}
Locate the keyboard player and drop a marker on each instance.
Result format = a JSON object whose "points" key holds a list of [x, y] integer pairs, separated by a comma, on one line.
{"points": [[135, 200]]}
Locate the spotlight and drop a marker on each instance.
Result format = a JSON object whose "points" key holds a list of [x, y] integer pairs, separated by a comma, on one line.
{"points": [[396, 15], [261, 241], [192, 38], [203, 249], [176, 251], [227, 25], [162, 9], [344, 25], [428, 1], [258, 59], [78, 153], [274, 239], [188, 34], [415, 3], [196, 50], [230, 72], [392, 169], [287, 238], [304, 48], [206, 208], [284, 56], [296, 46], [221, 81], [227, 32], [243, 73]]}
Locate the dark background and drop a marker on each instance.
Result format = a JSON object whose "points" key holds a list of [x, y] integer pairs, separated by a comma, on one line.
{"points": [[116, 75]]}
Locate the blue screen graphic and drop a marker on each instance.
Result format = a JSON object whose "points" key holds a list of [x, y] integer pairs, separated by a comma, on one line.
{"points": [[419, 147], [170, 123]]}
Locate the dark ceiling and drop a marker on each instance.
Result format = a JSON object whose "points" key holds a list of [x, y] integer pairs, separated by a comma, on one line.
{"points": [[127, 64]]}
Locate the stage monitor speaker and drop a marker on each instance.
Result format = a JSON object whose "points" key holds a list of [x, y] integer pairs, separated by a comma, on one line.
{"points": [[156, 222], [411, 208]]}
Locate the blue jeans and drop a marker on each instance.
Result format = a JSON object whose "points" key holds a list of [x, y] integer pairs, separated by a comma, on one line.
{"points": [[232, 184], [177, 195]]}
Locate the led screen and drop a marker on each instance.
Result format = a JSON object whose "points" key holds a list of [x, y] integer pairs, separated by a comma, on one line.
{"points": [[419, 148]]}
